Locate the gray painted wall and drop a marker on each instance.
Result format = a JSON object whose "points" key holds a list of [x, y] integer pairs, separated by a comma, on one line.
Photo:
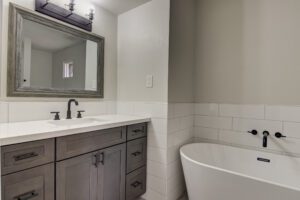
{"points": [[76, 54], [182, 51], [248, 51]]}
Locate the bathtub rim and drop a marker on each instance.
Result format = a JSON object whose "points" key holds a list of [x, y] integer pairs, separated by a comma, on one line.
{"points": [[230, 171]]}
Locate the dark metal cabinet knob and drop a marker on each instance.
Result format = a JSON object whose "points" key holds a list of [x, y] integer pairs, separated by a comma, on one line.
{"points": [[253, 132], [279, 135]]}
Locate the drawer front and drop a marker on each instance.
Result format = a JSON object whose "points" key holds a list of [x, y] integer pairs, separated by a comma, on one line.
{"points": [[136, 184], [136, 154], [26, 155], [70, 146], [136, 131], [33, 184]]}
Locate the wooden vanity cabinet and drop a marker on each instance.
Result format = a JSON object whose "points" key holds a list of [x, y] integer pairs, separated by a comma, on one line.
{"points": [[93, 176], [99, 165]]}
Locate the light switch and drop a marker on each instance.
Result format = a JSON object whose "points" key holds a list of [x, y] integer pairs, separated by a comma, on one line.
{"points": [[149, 81]]}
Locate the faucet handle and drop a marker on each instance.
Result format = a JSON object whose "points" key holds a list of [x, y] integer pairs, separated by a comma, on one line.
{"points": [[279, 135], [56, 117], [253, 132], [79, 115]]}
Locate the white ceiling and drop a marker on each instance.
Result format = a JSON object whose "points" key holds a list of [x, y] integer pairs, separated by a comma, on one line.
{"points": [[119, 6]]}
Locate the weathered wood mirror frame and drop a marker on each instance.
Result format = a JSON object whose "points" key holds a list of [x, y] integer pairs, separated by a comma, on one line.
{"points": [[15, 56]]}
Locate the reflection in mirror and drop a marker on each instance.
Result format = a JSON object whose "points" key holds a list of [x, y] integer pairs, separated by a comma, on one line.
{"points": [[57, 60]]}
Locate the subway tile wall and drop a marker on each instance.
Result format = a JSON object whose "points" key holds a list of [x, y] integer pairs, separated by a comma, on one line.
{"points": [[171, 127], [30, 111], [228, 123]]}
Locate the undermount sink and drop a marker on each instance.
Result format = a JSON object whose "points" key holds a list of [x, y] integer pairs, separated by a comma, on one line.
{"points": [[69, 122]]}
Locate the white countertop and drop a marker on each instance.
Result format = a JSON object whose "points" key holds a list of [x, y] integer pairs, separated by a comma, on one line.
{"points": [[13, 133]]}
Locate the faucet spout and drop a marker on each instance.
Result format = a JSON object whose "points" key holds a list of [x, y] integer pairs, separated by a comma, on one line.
{"points": [[265, 138], [69, 114]]}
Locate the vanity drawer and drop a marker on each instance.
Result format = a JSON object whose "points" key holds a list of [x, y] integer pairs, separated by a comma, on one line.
{"points": [[73, 145], [136, 184], [34, 184], [26, 155], [136, 131], [136, 154]]}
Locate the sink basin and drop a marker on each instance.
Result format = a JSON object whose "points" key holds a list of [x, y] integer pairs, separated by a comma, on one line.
{"points": [[70, 122]]}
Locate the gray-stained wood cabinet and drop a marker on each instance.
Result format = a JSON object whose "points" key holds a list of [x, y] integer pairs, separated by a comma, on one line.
{"points": [[99, 165]]}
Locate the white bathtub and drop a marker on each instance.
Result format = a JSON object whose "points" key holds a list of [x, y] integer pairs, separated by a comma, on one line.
{"points": [[219, 172]]}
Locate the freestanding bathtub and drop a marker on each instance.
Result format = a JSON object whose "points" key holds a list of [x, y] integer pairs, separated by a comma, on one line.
{"points": [[219, 172]]}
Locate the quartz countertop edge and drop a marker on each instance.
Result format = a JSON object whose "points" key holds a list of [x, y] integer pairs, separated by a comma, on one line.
{"points": [[19, 132]]}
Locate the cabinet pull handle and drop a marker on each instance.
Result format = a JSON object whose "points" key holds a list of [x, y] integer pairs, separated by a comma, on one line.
{"points": [[25, 156], [137, 131], [99, 158], [96, 158], [136, 184], [26, 196], [136, 153], [102, 158]]}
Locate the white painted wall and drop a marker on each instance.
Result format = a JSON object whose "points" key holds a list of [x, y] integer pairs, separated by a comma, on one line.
{"points": [[248, 51], [105, 24], [143, 49]]}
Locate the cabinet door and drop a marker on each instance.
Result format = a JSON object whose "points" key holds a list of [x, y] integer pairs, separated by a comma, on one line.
{"points": [[76, 178], [111, 173], [34, 184]]}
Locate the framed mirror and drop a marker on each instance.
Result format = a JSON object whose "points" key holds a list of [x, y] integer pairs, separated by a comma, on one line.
{"points": [[48, 58]]}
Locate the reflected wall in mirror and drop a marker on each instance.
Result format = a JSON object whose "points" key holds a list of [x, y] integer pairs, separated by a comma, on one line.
{"points": [[48, 58]]}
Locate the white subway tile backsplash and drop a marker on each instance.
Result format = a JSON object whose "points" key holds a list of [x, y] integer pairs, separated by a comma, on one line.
{"points": [[157, 184], [240, 138], [30, 111], [283, 113], [180, 109], [243, 111], [286, 145], [157, 140], [206, 133], [157, 154], [213, 122], [3, 112], [125, 108], [156, 169], [245, 125], [291, 129], [158, 126], [208, 109], [154, 110]]}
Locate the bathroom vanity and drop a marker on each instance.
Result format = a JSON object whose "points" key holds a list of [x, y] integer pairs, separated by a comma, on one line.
{"points": [[102, 164]]}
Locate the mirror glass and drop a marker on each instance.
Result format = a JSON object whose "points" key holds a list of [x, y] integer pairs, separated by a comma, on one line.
{"points": [[48, 58], [57, 60]]}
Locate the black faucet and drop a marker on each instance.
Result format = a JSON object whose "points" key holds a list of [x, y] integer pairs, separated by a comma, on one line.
{"points": [[265, 138], [69, 115]]}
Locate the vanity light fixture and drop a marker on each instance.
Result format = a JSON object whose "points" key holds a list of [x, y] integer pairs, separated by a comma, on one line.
{"points": [[91, 15], [66, 15], [71, 5]]}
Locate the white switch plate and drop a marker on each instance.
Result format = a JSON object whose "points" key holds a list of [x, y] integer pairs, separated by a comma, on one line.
{"points": [[149, 81]]}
